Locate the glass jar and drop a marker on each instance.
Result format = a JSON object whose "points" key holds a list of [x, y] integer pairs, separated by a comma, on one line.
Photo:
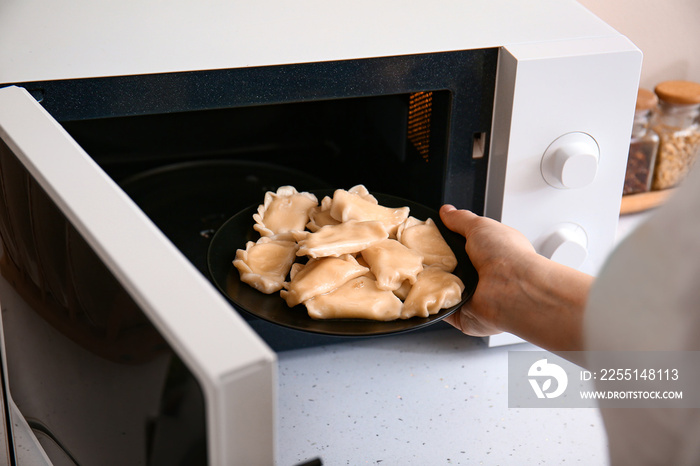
{"points": [[644, 145], [678, 125]]}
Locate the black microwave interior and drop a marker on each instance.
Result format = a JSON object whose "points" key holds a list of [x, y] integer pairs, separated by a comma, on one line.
{"points": [[400, 125], [340, 142], [208, 144]]}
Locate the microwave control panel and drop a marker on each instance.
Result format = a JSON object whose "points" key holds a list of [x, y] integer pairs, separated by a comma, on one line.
{"points": [[560, 138]]}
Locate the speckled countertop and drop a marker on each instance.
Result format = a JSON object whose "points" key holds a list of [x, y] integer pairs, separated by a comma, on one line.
{"points": [[424, 398]]}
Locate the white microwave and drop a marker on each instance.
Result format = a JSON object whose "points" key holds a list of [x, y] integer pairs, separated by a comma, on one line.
{"points": [[130, 132]]}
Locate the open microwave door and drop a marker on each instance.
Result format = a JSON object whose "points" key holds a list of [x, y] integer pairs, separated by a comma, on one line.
{"points": [[42, 165]]}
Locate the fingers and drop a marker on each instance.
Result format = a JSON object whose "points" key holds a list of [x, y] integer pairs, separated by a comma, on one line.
{"points": [[465, 321], [453, 320]]}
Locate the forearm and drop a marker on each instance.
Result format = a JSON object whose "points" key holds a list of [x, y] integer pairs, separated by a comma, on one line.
{"points": [[547, 305]]}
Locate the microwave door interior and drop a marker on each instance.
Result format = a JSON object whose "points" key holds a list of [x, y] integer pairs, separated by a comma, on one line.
{"points": [[119, 351]]}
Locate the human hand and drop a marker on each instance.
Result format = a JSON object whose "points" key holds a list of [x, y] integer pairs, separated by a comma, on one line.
{"points": [[498, 253], [519, 291]]}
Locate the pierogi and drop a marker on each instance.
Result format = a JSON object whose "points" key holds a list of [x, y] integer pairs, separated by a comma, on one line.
{"points": [[434, 289], [320, 276], [320, 216], [264, 265], [402, 291], [353, 205], [359, 298], [284, 211], [335, 240], [349, 257], [363, 192], [392, 263], [425, 237]]}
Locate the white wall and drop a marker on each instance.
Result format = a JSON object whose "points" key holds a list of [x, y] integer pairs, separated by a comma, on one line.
{"points": [[667, 32]]}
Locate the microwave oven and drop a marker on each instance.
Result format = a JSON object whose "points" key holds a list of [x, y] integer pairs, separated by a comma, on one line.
{"points": [[129, 133]]}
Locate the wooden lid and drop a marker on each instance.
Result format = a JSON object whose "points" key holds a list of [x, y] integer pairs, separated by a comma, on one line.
{"points": [[646, 100], [679, 92]]}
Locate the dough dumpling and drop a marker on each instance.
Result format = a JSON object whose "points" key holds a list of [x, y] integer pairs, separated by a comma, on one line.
{"points": [[353, 206], [359, 298], [403, 290], [425, 237], [264, 265], [335, 240], [320, 216], [285, 211], [392, 263], [435, 289], [362, 191], [320, 276]]}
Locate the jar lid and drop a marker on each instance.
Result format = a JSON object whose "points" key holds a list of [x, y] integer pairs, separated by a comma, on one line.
{"points": [[646, 100], [679, 92]]}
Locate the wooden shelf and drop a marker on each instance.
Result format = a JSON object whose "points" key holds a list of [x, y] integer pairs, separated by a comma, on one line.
{"points": [[633, 203]]}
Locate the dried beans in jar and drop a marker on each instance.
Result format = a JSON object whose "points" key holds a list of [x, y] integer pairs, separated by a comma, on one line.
{"points": [[678, 126]]}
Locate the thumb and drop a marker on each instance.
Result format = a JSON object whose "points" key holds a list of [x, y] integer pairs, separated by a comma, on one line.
{"points": [[459, 221]]}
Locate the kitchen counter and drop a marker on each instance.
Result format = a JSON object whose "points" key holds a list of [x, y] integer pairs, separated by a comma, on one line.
{"points": [[424, 398]]}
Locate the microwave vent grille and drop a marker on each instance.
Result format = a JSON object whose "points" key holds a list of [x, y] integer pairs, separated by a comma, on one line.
{"points": [[419, 115]]}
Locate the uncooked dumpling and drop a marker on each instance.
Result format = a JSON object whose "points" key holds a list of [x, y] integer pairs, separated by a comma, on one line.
{"points": [[434, 290], [353, 206], [285, 211], [425, 237], [335, 240], [362, 191], [359, 298], [320, 276], [264, 265], [402, 291], [392, 263], [320, 216]]}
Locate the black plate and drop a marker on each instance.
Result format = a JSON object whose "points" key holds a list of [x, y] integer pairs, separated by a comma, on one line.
{"points": [[234, 234]]}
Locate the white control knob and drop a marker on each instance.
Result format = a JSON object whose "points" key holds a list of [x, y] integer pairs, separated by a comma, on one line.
{"points": [[571, 161], [566, 244]]}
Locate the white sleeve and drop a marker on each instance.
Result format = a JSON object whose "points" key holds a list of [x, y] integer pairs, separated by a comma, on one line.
{"points": [[647, 297]]}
